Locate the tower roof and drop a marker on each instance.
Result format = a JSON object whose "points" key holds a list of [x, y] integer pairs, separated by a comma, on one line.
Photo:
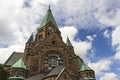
{"points": [[19, 64], [68, 42], [31, 39], [48, 17], [83, 66]]}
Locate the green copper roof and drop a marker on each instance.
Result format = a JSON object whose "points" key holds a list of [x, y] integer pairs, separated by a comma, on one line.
{"points": [[17, 77], [31, 39], [68, 42], [83, 66], [19, 64], [48, 17]]}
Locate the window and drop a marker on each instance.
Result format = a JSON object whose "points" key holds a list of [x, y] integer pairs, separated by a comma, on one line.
{"points": [[48, 33], [53, 42], [51, 61], [16, 72]]}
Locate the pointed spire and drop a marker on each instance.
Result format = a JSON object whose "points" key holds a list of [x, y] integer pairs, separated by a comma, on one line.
{"points": [[84, 67], [68, 42], [31, 39], [49, 8], [19, 64], [48, 17]]}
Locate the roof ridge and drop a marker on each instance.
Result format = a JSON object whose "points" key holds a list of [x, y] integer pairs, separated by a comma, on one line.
{"points": [[60, 73]]}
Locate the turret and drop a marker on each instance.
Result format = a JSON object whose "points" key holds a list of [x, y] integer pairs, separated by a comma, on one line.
{"points": [[29, 45], [18, 70], [68, 43], [85, 71], [30, 41]]}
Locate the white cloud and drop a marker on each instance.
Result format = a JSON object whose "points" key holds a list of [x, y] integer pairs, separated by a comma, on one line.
{"points": [[69, 31], [116, 42], [91, 38], [101, 66], [117, 55], [109, 76], [16, 18], [6, 52], [107, 34], [108, 12], [116, 36], [48, 2], [81, 47]]}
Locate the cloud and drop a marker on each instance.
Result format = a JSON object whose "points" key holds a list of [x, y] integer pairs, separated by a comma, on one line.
{"points": [[117, 56], [81, 47], [109, 76], [101, 66], [116, 42], [15, 17], [107, 34], [6, 52], [108, 12], [91, 38], [69, 31], [115, 36]]}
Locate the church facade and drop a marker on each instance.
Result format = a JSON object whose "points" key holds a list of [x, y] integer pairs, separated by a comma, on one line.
{"points": [[47, 57]]}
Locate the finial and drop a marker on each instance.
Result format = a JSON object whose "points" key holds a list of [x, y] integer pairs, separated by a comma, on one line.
{"points": [[49, 7]]}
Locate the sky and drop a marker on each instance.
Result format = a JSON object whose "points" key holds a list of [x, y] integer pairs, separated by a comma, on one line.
{"points": [[93, 27]]}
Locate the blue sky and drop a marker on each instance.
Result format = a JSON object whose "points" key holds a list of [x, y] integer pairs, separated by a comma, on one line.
{"points": [[93, 27]]}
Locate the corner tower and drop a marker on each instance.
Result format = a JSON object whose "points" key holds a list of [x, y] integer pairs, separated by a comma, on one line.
{"points": [[18, 70]]}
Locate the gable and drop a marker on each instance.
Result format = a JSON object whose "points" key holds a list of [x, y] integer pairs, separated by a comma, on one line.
{"points": [[55, 40], [55, 71], [64, 75]]}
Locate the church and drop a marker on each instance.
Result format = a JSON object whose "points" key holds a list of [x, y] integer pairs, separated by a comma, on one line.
{"points": [[47, 57]]}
